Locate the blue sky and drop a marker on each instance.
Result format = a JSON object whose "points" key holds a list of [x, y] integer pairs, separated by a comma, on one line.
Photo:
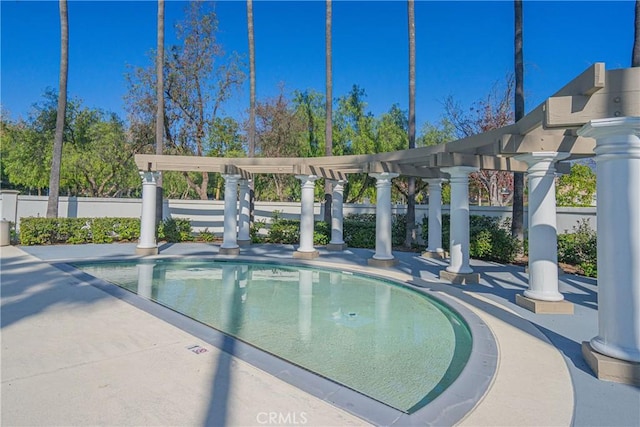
{"points": [[463, 48]]}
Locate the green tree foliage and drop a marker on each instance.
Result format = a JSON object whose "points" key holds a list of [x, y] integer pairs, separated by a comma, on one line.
{"points": [[310, 106], [97, 156], [576, 188], [492, 112], [434, 134], [281, 131], [199, 77]]}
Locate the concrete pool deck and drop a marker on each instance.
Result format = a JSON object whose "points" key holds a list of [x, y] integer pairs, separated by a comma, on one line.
{"points": [[70, 355]]}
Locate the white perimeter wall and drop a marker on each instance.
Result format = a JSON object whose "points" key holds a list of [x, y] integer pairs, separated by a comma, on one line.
{"points": [[207, 214]]}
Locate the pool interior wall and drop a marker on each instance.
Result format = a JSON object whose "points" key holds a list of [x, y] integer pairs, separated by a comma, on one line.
{"points": [[452, 404]]}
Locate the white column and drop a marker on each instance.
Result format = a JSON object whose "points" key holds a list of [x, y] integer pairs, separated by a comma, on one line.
{"points": [[434, 238], [147, 244], [244, 237], [383, 216], [543, 234], [306, 215], [229, 239], [337, 242], [618, 222], [459, 233]]}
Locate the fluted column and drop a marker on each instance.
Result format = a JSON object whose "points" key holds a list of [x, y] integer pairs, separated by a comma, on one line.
{"points": [[618, 223], [459, 270], [543, 233], [337, 242], [434, 244], [383, 256], [306, 249], [229, 239], [147, 244], [244, 237]]}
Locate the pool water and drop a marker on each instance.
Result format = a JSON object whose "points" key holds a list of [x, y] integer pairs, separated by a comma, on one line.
{"points": [[383, 340]]}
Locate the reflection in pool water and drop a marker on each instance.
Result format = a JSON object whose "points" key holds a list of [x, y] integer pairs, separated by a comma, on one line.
{"points": [[386, 341]]}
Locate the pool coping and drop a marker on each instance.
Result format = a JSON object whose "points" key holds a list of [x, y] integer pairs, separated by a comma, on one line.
{"points": [[449, 408]]}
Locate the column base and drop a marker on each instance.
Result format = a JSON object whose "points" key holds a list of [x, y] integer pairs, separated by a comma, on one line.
{"points": [[544, 307], [460, 278], [435, 254], [336, 246], [244, 242], [610, 369], [382, 263], [229, 251], [146, 251], [306, 255]]}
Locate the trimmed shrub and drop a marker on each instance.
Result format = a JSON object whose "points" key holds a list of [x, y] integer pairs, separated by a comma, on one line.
{"points": [[360, 230], [489, 238], [49, 231], [580, 248], [175, 230], [287, 231]]}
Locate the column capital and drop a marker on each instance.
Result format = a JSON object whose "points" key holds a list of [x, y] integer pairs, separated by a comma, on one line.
{"points": [[384, 176], [435, 181], [335, 182], [149, 177], [456, 171], [611, 126], [536, 157], [307, 178], [244, 182]]}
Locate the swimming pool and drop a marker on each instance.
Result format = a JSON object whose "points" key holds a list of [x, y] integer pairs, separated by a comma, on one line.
{"points": [[390, 343]]}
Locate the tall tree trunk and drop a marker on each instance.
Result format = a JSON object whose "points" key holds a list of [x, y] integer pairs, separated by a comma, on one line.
{"points": [[252, 102], [328, 130], [635, 56], [411, 190], [54, 179], [252, 81], [517, 215], [160, 104]]}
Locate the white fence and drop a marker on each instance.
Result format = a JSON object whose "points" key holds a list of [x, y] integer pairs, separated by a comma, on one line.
{"points": [[208, 214]]}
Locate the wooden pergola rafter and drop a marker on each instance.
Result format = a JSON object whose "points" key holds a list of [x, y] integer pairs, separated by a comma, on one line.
{"points": [[551, 127]]}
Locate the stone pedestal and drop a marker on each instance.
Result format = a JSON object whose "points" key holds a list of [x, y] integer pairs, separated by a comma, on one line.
{"points": [[460, 278], [544, 307], [609, 368]]}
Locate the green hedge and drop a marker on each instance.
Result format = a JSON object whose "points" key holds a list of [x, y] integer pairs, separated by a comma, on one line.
{"points": [[489, 238], [360, 230], [48, 231], [580, 249], [287, 231]]}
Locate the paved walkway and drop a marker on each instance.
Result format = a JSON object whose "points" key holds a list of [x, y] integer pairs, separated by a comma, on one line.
{"points": [[70, 355]]}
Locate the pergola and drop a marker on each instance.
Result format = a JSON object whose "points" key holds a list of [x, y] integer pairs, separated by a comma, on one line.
{"points": [[597, 113]]}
